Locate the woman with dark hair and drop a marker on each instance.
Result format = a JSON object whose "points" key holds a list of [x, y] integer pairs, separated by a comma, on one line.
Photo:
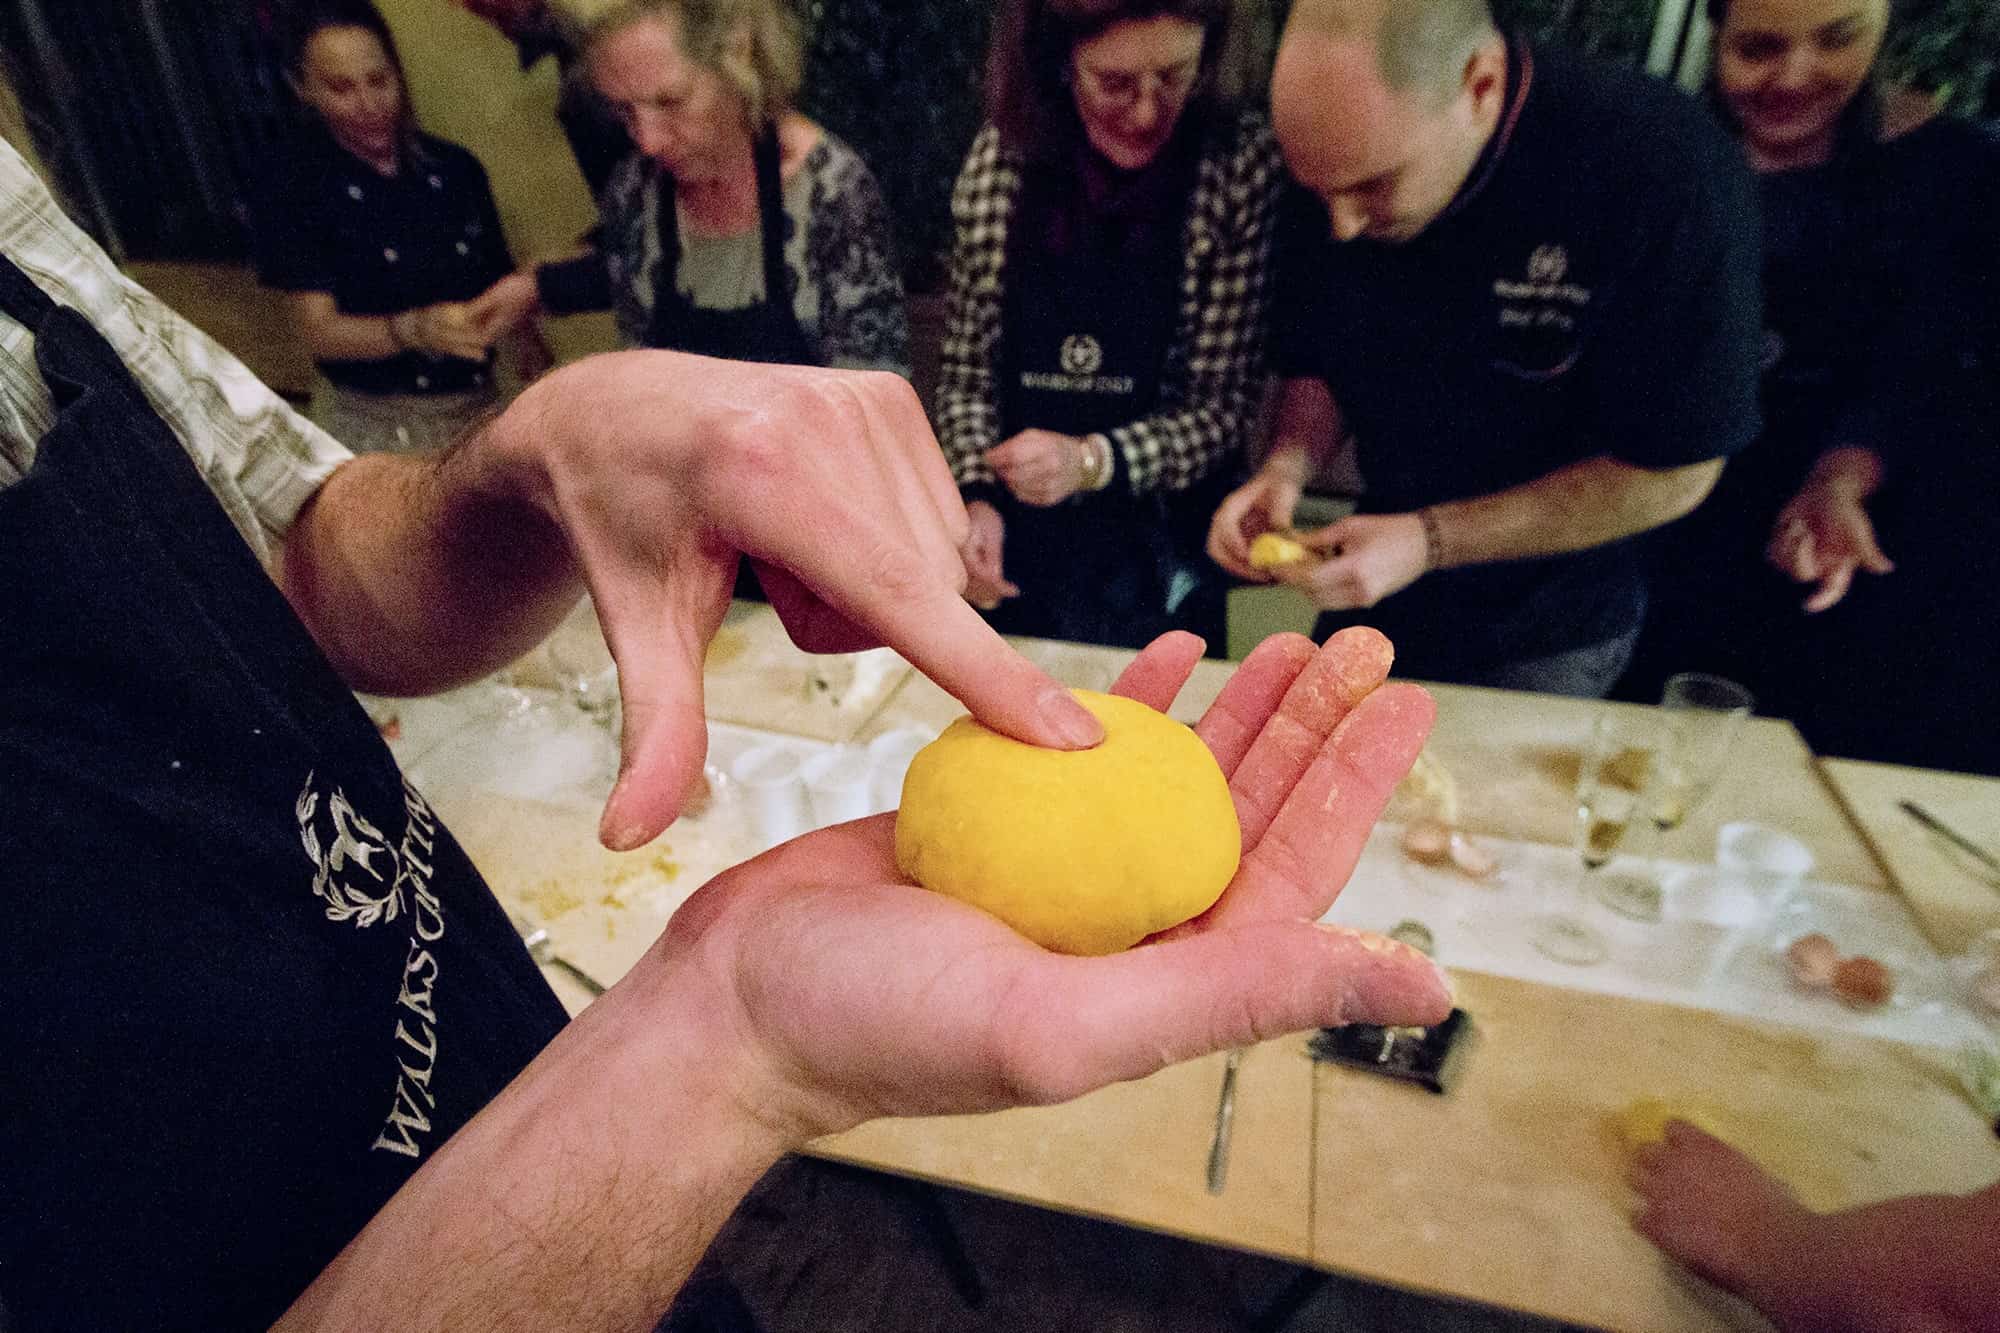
{"points": [[1100, 368], [1878, 452], [383, 237]]}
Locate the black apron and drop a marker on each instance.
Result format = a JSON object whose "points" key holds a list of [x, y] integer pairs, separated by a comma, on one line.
{"points": [[766, 330], [250, 982], [1084, 347]]}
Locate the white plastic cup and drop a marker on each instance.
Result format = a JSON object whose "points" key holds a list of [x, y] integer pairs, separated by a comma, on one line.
{"points": [[837, 786], [889, 757], [774, 793], [1770, 863]]}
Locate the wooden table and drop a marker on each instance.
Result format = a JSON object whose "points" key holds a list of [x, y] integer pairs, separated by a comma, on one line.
{"points": [[1954, 904], [1509, 1191], [1135, 1152]]}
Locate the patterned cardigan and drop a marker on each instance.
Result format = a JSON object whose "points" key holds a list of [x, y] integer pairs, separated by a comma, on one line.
{"points": [[845, 274], [1212, 387]]}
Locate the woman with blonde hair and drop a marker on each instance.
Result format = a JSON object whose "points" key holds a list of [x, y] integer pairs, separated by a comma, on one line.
{"points": [[738, 228]]}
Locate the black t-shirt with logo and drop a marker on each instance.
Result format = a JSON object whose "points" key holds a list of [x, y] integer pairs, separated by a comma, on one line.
{"points": [[385, 244], [252, 983], [1593, 290]]}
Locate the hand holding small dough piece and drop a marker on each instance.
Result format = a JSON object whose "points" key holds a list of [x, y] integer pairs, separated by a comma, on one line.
{"points": [[1084, 851], [1275, 550]]}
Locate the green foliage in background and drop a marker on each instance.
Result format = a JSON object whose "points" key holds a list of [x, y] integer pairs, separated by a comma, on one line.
{"points": [[1951, 47], [1615, 29], [900, 82]]}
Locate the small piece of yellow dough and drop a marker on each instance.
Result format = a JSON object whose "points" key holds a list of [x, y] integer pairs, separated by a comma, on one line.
{"points": [[1273, 550], [1644, 1122], [1082, 851]]}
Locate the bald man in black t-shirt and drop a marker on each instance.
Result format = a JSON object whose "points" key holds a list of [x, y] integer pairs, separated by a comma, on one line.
{"points": [[1536, 313]]}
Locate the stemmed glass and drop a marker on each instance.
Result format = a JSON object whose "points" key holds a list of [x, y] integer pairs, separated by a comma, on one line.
{"points": [[1705, 715], [1615, 794], [581, 664], [587, 678]]}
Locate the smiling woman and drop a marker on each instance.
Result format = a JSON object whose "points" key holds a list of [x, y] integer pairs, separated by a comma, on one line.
{"points": [[1790, 73], [384, 240], [1827, 571]]}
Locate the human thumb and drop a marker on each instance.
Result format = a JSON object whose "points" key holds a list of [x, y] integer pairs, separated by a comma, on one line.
{"points": [[664, 737]]}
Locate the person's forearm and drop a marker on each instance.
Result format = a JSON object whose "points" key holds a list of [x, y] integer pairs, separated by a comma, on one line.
{"points": [[1306, 430], [1571, 509], [585, 1193], [1919, 1264], [419, 573], [1849, 469], [357, 337]]}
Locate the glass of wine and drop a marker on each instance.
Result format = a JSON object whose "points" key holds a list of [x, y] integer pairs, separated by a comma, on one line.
{"points": [[1704, 716], [1614, 795]]}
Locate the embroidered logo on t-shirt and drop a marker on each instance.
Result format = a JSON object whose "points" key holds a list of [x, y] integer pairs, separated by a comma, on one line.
{"points": [[1081, 354], [1546, 298], [1080, 357], [363, 880]]}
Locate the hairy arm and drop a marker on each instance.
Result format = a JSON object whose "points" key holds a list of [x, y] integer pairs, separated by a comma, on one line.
{"points": [[1367, 557], [414, 575], [648, 476], [582, 1196], [1586, 504]]}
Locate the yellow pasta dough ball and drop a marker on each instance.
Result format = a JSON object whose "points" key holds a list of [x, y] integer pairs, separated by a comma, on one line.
{"points": [[1082, 851]]}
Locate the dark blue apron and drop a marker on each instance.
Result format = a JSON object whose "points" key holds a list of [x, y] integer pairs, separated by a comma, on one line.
{"points": [[250, 982], [1083, 349]]}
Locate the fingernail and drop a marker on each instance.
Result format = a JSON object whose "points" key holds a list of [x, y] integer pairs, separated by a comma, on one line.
{"points": [[1069, 719], [614, 831]]}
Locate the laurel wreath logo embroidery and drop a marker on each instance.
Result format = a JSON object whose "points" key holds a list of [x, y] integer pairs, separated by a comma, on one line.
{"points": [[354, 845], [1081, 354]]}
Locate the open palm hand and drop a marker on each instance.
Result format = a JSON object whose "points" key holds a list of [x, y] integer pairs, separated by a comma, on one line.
{"points": [[865, 996]]}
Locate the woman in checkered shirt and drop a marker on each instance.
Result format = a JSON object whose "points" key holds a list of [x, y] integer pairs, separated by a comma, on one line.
{"points": [[1102, 360]]}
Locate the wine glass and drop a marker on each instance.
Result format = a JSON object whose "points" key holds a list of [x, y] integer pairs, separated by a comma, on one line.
{"points": [[590, 684], [1614, 786], [583, 669], [1705, 715]]}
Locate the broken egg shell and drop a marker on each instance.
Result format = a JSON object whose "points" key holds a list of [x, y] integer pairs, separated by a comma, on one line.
{"points": [[1471, 858], [1863, 983], [1428, 841], [1813, 960]]}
